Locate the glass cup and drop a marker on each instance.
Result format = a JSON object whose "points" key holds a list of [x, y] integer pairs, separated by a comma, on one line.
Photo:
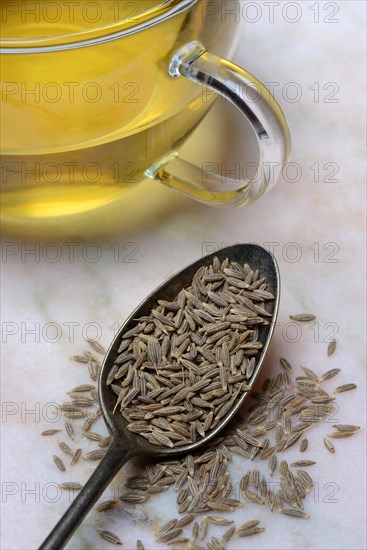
{"points": [[98, 96]]}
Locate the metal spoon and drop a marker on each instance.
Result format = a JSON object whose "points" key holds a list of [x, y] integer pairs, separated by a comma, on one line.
{"points": [[126, 445]]}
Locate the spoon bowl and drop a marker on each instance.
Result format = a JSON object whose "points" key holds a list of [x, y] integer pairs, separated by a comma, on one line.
{"points": [[125, 444]]}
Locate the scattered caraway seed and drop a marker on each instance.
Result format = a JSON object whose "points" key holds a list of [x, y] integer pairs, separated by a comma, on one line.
{"points": [[203, 528], [226, 537], [219, 520], [167, 527], [82, 388], [65, 448], [69, 429], [94, 455], [302, 463], [106, 505], [139, 545], [216, 544], [345, 387], [303, 317], [76, 456], [134, 498], [272, 464], [59, 463], [109, 537], [330, 447], [286, 365], [172, 534], [186, 520], [93, 436], [104, 442], [305, 477], [303, 445], [248, 525], [195, 531], [329, 374], [310, 374], [342, 435], [96, 346], [79, 358], [346, 427], [287, 403], [50, 432], [292, 440], [295, 512], [251, 532], [331, 347]]}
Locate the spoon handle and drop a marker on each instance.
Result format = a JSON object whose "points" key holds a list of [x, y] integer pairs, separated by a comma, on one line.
{"points": [[114, 459]]}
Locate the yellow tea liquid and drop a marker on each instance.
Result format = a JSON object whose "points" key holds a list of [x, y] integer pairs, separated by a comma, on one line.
{"points": [[80, 127]]}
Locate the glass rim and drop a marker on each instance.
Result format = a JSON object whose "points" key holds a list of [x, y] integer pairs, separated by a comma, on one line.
{"points": [[97, 35]]}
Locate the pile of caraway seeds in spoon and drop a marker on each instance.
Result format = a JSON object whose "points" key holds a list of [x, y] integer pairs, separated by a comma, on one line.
{"points": [[179, 370]]}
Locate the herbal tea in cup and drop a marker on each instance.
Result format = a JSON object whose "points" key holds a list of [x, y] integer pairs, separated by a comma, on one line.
{"points": [[98, 96]]}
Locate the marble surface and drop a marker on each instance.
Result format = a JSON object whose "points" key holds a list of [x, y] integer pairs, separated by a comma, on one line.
{"points": [[315, 226]]}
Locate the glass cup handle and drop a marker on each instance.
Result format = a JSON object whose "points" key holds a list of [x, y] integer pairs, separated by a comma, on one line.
{"points": [[260, 108]]}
